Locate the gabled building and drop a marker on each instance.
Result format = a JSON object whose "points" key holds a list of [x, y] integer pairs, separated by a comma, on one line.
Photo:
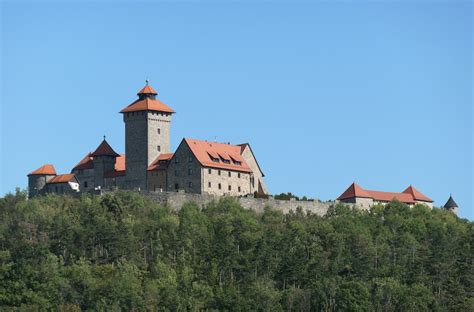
{"points": [[148, 163], [363, 198]]}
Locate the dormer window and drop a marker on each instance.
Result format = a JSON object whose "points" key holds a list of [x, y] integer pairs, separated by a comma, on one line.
{"points": [[226, 161], [238, 163]]}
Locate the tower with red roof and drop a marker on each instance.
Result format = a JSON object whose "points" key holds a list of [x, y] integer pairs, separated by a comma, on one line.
{"points": [[147, 135], [38, 178]]}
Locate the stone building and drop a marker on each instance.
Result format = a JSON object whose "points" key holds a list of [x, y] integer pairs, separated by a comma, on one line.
{"points": [[45, 180], [363, 198], [148, 163]]}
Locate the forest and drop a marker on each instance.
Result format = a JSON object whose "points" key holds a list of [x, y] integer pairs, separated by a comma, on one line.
{"points": [[122, 252]]}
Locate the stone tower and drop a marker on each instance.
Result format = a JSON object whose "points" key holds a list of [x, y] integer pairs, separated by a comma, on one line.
{"points": [[451, 205], [147, 135], [38, 179], [104, 161]]}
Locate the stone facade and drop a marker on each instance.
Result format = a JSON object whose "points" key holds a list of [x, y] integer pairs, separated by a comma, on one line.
{"points": [[184, 171], [147, 134], [36, 183], [102, 164], [157, 180], [256, 178], [86, 179], [176, 200]]}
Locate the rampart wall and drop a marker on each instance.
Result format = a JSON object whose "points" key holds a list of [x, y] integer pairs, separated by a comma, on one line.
{"points": [[176, 200]]}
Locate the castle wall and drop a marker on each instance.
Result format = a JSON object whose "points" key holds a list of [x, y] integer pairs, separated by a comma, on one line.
{"points": [[176, 200]]}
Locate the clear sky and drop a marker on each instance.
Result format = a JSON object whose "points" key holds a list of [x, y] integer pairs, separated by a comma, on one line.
{"points": [[327, 93]]}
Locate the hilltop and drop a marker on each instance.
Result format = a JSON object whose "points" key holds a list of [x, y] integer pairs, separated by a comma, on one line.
{"points": [[125, 252]]}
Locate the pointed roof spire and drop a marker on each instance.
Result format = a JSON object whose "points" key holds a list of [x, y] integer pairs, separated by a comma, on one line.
{"points": [[147, 89], [104, 149], [450, 203]]}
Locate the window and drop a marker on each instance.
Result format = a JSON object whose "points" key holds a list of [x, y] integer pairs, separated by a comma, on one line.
{"points": [[209, 184], [176, 173], [215, 159], [190, 158], [176, 186], [218, 172], [226, 161], [190, 184], [240, 190], [209, 170], [230, 187], [190, 171], [176, 160], [238, 175], [238, 163], [219, 186], [158, 130], [158, 148], [230, 174], [85, 183]]}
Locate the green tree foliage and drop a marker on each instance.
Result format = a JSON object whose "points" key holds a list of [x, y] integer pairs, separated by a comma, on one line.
{"points": [[122, 252]]}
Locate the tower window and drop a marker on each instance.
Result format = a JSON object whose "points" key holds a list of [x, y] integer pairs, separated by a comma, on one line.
{"points": [[85, 183], [240, 189], [219, 186], [209, 184], [190, 171], [176, 186], [190, 184], [190, 158], [158, 148], [176, 173], [230, 187], [159, 131]]}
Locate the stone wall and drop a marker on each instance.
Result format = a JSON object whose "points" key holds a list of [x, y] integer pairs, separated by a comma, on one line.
{"points": [[176, 200], [184, 171], [231, 182]]}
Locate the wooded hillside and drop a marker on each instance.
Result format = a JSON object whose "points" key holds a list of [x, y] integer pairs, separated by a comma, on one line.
{"points": [[123, 252]]}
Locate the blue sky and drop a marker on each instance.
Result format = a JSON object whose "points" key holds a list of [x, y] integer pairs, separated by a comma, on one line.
{"points": [[327, 93]]}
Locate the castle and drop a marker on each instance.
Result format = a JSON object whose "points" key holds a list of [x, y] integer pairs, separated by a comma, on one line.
{"points": [[196, 167]]}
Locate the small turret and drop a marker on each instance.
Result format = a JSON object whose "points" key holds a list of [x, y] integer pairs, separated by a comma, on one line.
{"points": [[37, 179], [451, 205], [104, 160]]}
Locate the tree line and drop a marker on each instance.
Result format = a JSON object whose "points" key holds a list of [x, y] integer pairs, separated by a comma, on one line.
{"points": [[123, 252]]}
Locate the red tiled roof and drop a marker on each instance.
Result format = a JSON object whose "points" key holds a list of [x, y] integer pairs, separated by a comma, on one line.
{"points": [[104, 149], [62, 178], [389, 196], [417, 194], [354, 190], [119, 168], [409, 196], [85, 163], [47, 169], [203, 150], [120, 163], [157, 163], [147, 105], [147, 90]]}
